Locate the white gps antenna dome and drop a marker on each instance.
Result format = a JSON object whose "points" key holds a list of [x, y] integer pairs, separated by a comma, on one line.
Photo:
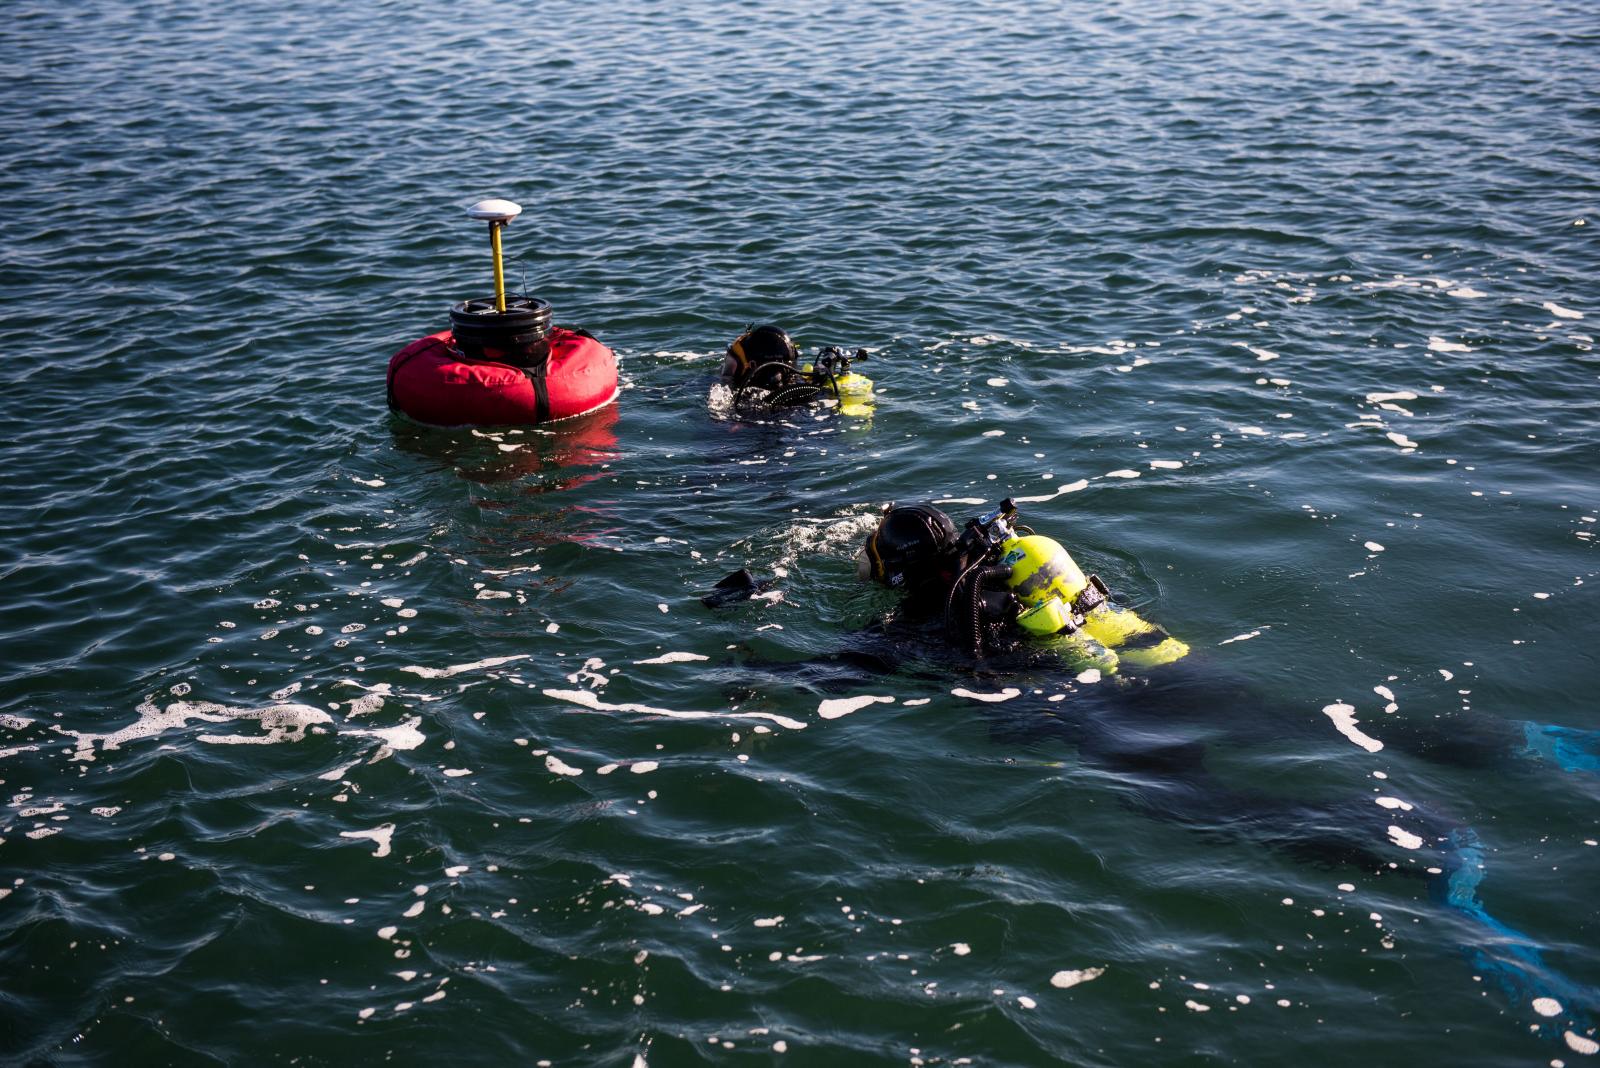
{"points": [[494, 211]]}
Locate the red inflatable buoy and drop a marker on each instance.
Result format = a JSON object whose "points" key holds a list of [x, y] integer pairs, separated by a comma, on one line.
{"points": [[433, 381]]}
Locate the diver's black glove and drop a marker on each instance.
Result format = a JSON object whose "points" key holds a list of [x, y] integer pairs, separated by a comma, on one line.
{"points": [[739, 586]]}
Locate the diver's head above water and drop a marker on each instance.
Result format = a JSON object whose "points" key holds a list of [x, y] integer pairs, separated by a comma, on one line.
{"points": [[913, 545], [761, 357]]}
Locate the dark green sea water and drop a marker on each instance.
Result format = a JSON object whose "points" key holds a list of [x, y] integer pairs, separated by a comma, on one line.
{"points": [[326, 739]]}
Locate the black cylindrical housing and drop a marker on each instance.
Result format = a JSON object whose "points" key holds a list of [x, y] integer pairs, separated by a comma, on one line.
{"points": [[519, 335]]}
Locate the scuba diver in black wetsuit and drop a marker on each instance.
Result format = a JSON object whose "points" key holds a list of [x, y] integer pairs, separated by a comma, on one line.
{"points": [[996, 584], [1013, 605], [764, 370]]}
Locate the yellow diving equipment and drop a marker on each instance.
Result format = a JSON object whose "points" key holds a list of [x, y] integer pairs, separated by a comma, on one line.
{"points": [[853, 391], [1059, 600]]}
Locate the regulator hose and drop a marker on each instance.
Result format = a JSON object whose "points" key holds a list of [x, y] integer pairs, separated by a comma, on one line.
{"points": [[970, 584]]}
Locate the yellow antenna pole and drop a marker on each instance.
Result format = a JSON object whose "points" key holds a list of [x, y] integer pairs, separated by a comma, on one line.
{"points": [[499, 267], [497, 213]]}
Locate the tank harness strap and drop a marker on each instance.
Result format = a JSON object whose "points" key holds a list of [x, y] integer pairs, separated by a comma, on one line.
{"points": [[1094, 594]]}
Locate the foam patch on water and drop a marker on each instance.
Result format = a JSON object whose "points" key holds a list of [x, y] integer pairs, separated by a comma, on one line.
{"points": [[1068, 978], [1166, 465], [1579, 1044], [1344, 720], [1404, 838], [1070, 487], [824, 536], [673, 658], [286, 722], [457, 669], [402, 737], [843, 706], [592, 701], [1004, 695], [557, 766], [381, 835], [1439, 344], [1559, 312]]}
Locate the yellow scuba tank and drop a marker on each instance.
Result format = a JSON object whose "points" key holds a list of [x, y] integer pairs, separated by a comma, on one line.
{"points": [[1058, 600], [853, 391]]}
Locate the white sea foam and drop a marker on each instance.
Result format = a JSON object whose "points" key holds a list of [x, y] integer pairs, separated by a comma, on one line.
{"points": [[402, 737], [843, 706], [558, 766], [1070, 487], [1579, 1044], [1439, 344], [1404, 838], [1071, 977], [592, 701], [1004, 695], [1241, 637], [278, 723], [1562, 313], [457, 669], [382, 835], [1166, 465], [673, 658], [339, 772], [1344, 719], [1121, 472]]}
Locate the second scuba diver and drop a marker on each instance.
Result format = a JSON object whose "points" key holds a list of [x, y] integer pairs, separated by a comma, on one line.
{"points": [[764, 369], [996, 585], [1015, 602]]}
